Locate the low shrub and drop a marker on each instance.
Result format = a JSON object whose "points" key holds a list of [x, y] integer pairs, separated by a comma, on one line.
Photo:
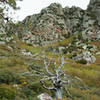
{"points": [[31, 91], [7, 93], [82, 61], [8, 77]]}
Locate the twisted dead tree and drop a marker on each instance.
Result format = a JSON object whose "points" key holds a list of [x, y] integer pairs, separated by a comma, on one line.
{"points": [[58, 79]]}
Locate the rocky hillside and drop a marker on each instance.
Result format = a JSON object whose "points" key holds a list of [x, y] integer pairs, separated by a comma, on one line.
{"points": [[70, 32], [55, 23], [94, 6]]}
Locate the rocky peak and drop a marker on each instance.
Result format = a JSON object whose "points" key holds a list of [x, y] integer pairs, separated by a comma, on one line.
{"points": [[55, 23], [54, 8]]}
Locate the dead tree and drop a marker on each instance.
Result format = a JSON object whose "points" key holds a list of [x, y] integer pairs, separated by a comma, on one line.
{"points": [[56, 78]]}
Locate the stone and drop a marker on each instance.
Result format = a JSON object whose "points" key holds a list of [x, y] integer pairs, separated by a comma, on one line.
{"points": [[85, 56], [44, 96], [10, 48], [61, 49], [26, 53], [84, 47]]}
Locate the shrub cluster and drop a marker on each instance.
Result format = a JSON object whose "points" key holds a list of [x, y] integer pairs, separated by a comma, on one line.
{"points": [[7, 93], [82, 61], [8, 77]]}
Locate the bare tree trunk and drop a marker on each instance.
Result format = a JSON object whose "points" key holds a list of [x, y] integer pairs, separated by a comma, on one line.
{"points": [[58, 94]]}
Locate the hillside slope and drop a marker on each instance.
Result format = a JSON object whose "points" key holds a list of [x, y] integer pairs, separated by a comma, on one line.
{"points": [[70, 32]]}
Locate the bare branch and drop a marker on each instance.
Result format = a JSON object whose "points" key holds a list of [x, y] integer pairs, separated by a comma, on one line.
{"points": [[46, 66], [67, 91], [64, 82], [78, 78], [61, 65], [62, 73], [49, 61], [46, 78], [48, 88], [55, 64]]}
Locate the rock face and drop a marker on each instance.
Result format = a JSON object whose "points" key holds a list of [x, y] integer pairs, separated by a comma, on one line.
{"points": [[55, 23], [47, 26], [2, 25], [4, 38], [94, 6], [86, 56]]}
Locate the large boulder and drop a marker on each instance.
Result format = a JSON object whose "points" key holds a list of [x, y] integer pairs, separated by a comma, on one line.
{"points": [[85, 56]]}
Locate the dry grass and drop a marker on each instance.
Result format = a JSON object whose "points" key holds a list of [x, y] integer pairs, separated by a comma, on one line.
{"points": [[90, 74]]}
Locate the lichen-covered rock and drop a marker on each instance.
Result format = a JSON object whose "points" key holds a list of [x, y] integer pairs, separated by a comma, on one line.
{"points": [[44, 96], [2, 27], [94, 6], [4, 37], [85, 56], [55, 23], [26, 53]]}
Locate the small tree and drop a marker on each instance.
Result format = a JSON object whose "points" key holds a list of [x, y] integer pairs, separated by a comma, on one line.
{"points": [[58, 79]]}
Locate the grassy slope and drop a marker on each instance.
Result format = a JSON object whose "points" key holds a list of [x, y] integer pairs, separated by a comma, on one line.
{"points": [[14, 62]]}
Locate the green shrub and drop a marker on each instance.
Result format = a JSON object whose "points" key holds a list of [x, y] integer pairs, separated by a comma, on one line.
{"points": [[36, 87], [82, 61], [8, 77], [75, 54], [7, 93], [27, 91], [31, 91], [96, 91]]}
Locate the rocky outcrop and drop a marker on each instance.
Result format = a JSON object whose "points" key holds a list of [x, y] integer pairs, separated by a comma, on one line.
{"points": [[2, 25], [45, 27], [85, 57], [94, 6], [4, 37], [55, 23], [83, 22]]}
